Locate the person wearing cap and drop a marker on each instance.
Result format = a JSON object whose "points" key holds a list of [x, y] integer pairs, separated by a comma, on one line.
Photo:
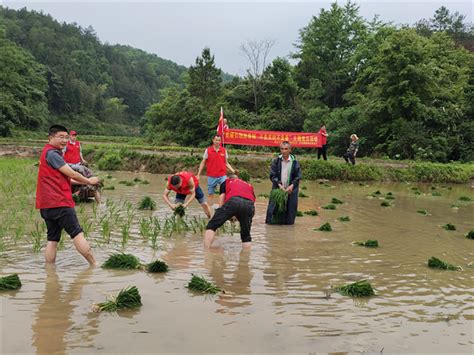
{"points": [[239, 202], [54, 198], [185, 183], [73, 150], [352, 150]]}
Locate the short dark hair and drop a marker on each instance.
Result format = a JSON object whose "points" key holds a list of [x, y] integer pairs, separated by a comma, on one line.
{"points": [[55, 128], [175, 180], [286, 143]]}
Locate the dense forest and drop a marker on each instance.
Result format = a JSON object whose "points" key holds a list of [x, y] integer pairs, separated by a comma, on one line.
{"points": [[407, 91]]}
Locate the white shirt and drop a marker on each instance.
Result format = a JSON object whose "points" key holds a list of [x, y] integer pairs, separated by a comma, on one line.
{"points": [[285, 170]]}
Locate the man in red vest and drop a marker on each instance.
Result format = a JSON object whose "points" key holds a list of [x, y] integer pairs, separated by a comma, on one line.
{"points": [[54, 198], [239, 202], [73, 151], [215, 160], [185, 183]]}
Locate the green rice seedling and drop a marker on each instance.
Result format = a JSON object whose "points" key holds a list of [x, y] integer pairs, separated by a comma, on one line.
{"points": [[38, 234], [326, 227], [128, 298], [376, 192], [121, 261], [112, 187], [465, 198], [329, 207], [470, 234], [106, 229], [311, 212], [303, 187], [180, 211], [436, 193], [436, 263], [244, 175], [299, 214], [109, 176], [385, 204], [423, 212], [199, 283], [265, 195], [344, 219], [357, 289], [10, 282], [279, 197], [125, 229], [370, 243], [336, 201], [449, 227], [137, 180], [144, 182], [389, 194], [390, 197], [145, 227], [86, 227], [147, 203], [302, 194], [455, 206], [415, 188], [417, 192], [157, 266]]}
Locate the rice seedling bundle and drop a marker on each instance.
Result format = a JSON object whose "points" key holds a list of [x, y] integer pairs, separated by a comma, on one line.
{"points": [[465, 198], [376, 192], [336, 201], [10, 282], [265, 195], [389, 193], [299, 214], [128, 298], [370, 243], [436, 263], [390, 197], [470, 234], [109, 187], [121, 261], [344, 219], [244, 175], [326, 227], [385, 204], [147, 203], [311, 212], [157, 266], [435, 193], [357, 289], [449, 227], [199, 283], [279, 197], [180, 211], [423, 212], [330, 207], [302, 194], [303, 187]]}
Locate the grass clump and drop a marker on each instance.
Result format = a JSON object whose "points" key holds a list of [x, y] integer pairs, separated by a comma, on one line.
{"points": [[279, 197], [121, 261], [423, 212], [299, 214], [180, 211], [370, 243], [344, 219], [199, 283], [357, 289], [10, 282], [330, 207], [128, 298], [470, 234], [336, 201], [157, 266], [311, 212], [436, 263], [449, 227], [147, 203], [326, 227], [465, 198]]}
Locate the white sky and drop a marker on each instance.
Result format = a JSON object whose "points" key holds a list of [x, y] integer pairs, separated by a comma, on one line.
{"points": [[179, 30]]}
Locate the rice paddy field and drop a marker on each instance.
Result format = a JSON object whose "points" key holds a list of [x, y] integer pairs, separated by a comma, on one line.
{"points": [[282, 296]]}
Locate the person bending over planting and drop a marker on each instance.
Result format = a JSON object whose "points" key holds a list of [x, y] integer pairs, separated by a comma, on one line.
{"points": [[185, 183], [239, 202], [54, 197]]}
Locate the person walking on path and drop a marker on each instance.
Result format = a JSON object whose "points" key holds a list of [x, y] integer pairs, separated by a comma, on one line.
{"points": [[239, 202], [352, 150], [73, 151], [215, 159], [285, 174], [323, 150], [185, 183], [54, 197]]}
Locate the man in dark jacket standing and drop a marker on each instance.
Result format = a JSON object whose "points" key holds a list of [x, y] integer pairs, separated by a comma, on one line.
{"points": [[285, 174]]}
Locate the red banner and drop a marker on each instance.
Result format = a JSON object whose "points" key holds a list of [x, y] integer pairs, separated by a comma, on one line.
{"points": [[271, 138]]}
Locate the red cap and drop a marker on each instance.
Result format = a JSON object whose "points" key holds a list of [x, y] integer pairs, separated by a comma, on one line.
{"points": [[73, 133]]}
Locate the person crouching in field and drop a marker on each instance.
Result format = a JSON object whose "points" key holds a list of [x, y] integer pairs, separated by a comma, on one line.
{"points": [[185, 183], [239, 202], [54, 197], [352, 150]]}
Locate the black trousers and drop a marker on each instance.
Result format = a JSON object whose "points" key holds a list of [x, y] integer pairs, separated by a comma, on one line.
{"points": [[349, 156], [323, 151]]}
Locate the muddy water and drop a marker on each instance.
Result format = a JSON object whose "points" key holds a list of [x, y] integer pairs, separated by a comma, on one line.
{"points": [[278, 297]]}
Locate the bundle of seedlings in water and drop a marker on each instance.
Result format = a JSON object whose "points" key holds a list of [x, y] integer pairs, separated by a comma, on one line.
{"points": [[357, 289], [121, 261], [199, 283], [303, 187], [109, 188], [10, 282], [299, 214], [302, 194], [128, 298], [344, 219], [311, 212], [147, 204], [336, 201], [465, 198], [385, 204], [157, 266], [326, 227], [376, 193], [436, 263], [370, 243], [449, 227], [180, 211], [330, 207], [279, 197], [423, 212], [389, 196], [436, 193], [470, 234]]}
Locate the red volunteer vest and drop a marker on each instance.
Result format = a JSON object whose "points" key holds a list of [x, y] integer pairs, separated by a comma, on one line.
{"points": [[323, 138], [53, 188], [184, 188], [73, 153], [216, 162], [237, 187]]}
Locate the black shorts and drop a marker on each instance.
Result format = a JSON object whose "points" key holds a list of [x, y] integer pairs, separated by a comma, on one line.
{"points": [[60, 218], [242, 208]]}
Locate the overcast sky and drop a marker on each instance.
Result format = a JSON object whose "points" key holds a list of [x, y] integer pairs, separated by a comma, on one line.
{"points": [[180, 30]]}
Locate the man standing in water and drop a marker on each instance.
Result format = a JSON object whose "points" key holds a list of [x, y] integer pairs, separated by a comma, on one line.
{"points": [[54, 198]]}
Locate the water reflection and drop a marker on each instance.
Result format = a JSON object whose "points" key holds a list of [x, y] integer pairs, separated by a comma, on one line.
{"points": [[54, 318]]}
